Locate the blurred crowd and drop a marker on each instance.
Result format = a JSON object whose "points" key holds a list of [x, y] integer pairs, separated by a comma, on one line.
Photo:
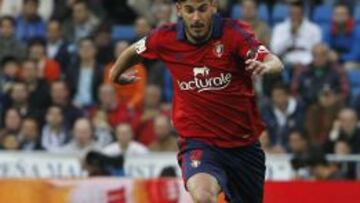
{"points": [[55, 94]]}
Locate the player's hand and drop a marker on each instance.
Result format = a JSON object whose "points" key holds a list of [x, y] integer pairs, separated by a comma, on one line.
{"points": [[128, 77], [257, 68]]}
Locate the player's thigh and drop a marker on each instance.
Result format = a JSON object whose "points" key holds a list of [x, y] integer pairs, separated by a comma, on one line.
{"points": [[246, 173], [201, 169]]}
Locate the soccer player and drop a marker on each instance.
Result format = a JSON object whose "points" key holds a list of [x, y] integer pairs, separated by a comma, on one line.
{"points": [[212, 61]]}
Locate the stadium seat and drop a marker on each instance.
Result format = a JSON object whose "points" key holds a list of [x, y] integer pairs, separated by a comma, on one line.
{"points": [[280, 12], [123, 32], [325, 28], [354, 81], [263, 12], [322, 14], [235, 12], [357, 14], [330, 2]]}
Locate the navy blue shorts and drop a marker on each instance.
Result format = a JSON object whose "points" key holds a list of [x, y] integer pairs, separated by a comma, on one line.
{"points": [[239, 171]]}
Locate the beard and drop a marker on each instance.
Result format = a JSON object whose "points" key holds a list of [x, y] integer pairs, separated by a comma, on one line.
{"points": [[198, 32]]}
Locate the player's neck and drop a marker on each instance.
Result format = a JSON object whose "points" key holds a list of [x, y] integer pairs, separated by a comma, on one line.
{"points": [[198, 42]]}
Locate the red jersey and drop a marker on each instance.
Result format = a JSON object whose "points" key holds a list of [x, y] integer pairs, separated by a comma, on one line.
{"points": [[214, 100]]}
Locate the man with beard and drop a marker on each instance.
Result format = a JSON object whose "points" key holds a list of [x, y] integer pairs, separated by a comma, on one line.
{"points": [[212, 61]]}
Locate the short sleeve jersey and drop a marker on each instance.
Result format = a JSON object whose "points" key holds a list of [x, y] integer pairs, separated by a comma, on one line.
{"points": [[214, 100]]}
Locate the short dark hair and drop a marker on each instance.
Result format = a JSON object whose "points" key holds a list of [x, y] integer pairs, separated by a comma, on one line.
{"points": [[302, 132], [8, 59], [298, 4], [66, 85], [34, 1], [280, 86], [318, 161], [84, 2], [37, 41], [8, 18], [31, 118], [342, 4], [253, 1], [84, 39]]}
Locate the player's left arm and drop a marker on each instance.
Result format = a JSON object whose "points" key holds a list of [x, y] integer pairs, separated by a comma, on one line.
{"points": [[269, 64], [258, 59]]}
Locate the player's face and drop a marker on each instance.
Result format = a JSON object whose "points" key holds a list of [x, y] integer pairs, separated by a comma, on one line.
{"points": [[197, 15]]}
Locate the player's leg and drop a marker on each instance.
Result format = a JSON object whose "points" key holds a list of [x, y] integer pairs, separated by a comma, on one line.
{"points": [[245, 168], [203, 188], [203, 176]]}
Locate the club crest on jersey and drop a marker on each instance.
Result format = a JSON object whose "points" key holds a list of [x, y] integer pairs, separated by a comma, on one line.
{"points": [[218, 49], [195, 157]]}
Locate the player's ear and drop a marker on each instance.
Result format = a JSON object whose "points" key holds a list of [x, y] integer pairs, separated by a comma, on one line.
{"points": [[178, 9]]}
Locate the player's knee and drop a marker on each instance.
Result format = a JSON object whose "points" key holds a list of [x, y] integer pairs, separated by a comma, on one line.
{"points": [[204, 196]]}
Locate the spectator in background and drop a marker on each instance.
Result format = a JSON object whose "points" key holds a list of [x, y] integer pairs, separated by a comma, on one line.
{"points": [[166, 140], [60, 96], [14, 8], [163, 14], [19, 99], [282, 115], [9, 142], [56, 46], [342, 148], [143, 8], [86, 75], [9, 73], [82, 23], [29, 137], [341, 36], [308, 82], [144, 119], [321, 115], [54, 133], [82, 140], [125, 143], [302, 151], [11, 122], [294, 38], [46, 9], [104, 45], [345, 129], [321, 169], [120, 12], [260, 28], [39, 95], [48, 69], [63, 8], [9, 69], [102, 128], [9, 45], [299, 144], [142, 28], [10, 7], [29, 23], [133, 94], [108, 103]]}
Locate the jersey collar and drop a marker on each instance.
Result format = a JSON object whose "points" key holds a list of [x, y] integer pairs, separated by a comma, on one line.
{"points": [[216, 28]]}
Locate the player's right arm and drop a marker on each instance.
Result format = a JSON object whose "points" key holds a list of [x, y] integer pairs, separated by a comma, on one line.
{"points": [[127, 59], [146, 47]]}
